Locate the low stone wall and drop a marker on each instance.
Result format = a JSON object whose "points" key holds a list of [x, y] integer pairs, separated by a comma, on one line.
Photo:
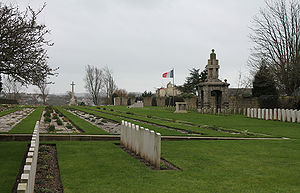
{"points": [[191, 103], [241, 102], [144, 142], [147, 101], [28, 176], [284, 115]]}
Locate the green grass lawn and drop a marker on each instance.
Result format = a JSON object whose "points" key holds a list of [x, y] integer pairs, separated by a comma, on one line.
{"points": [[167, 122], [27, 125], [208, 166], [238, 122], [11, 155]]}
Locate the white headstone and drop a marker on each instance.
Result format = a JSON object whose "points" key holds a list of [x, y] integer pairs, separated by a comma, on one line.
{"points": [[294, 116], [275, 114], [263, 114], [279, 113], [271, 113], [267, 114], [251, 113], [283, 115], [288, 115], [255, 112], [298, 116], [259, 113], [248, 112]]}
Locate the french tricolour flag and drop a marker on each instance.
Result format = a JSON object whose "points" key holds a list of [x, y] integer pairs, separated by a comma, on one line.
{"points": [[168, 74]]}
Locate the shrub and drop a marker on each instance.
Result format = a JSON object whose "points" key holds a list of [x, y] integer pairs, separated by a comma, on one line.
{"points": [[268, 101], [51, 128], [59, 122], [69, 126], [65, 119], [104, 108], [47, 120], [47, 114]]}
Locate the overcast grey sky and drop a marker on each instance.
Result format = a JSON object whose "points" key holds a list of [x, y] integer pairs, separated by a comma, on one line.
{"points": [[141, 39]]}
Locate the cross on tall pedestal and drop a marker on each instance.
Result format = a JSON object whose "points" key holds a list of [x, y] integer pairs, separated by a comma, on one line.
{"points": [[73, 101], [73, 89]]}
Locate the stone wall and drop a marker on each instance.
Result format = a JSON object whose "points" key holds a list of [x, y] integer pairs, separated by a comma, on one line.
{"points": [[161, 101], [241, 102], [117, 101], [147, 101], [191, 103]]}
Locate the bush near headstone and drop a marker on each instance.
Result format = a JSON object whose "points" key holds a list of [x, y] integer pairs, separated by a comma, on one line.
{"points": [[268, 101]]}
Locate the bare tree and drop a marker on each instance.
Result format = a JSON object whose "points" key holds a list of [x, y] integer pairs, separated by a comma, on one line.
{"points": [[43, 86], [276, 34], [94, 82], [109, 83], [23, 53], [12, 88]]}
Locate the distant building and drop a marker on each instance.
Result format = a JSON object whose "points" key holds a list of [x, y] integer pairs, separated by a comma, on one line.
{"points": [[167, 92]]}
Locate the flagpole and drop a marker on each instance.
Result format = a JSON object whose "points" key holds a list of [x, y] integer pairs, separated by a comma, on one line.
{"points": [[173, 88]]}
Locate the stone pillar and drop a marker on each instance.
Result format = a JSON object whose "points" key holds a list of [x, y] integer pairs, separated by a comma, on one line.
{"points": [[206, 97]]}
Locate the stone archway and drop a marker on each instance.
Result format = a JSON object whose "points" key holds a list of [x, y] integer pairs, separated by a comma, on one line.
{"points": [[217, 94]]}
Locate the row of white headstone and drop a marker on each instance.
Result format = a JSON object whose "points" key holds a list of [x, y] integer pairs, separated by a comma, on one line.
{"points": [[28, 176], [144, 142], [285, 115]]}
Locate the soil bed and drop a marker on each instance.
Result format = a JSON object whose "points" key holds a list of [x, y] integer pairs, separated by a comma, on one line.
{"points": [[164, 164], [47, 177]]}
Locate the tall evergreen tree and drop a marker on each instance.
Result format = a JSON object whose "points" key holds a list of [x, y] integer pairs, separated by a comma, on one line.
{"points": [[263, 83], [193, 80]]}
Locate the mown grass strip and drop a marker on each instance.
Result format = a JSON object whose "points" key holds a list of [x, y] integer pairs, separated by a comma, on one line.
{"points": [[81, 124], [11, 157], [26, 126], [207, 166], [3, 113], [118, 119]]}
